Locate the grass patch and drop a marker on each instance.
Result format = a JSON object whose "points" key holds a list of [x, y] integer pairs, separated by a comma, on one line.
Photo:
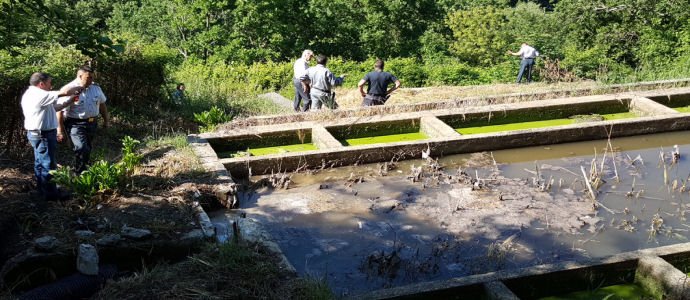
{"points": [[169, 156], [383, 139], [614, 292], [229, 271], [177, 141]]}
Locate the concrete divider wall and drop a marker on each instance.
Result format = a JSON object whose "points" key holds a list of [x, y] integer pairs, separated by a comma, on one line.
{"points": [[323, 139], [434, 128], [647, 107], [662, 279], [644, 267]]}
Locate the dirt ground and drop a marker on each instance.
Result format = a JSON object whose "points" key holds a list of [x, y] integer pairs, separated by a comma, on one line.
{"points": [[159, 199]]}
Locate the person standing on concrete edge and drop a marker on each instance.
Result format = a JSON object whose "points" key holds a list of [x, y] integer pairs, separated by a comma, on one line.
{"points": [[79, 120], [319, 82], [299, 69], [528, 55], [39, 105], [378, 81]]}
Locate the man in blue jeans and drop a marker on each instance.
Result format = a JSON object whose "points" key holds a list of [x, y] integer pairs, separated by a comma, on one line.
{"points": [[528, 55], [80, 119], [39, 104]]}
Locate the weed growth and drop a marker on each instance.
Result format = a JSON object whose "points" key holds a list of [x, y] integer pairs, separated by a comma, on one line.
{"points": [[102, 175], [210, 118]]}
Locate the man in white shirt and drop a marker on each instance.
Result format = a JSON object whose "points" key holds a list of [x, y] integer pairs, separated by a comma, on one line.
{"points": [[528, 55], [299, 69], [39, 105], [80, 119]]}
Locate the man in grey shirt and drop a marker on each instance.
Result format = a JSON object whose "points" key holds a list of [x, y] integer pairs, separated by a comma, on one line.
{"points": [[319, 82]]}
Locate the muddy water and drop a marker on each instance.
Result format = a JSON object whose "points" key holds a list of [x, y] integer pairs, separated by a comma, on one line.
{"points": [[367, 227]]}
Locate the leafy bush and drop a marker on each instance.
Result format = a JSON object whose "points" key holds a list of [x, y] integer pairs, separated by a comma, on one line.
{"points": [[102, 175], [210, 118], [452, 73]]}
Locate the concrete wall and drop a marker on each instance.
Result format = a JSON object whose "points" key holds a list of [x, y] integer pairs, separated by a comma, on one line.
{"points": [[631, 88]]}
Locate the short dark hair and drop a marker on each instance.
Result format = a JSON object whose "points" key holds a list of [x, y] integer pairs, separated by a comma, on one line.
{"points": [[179, 85], [321, 59], [39, 77], [379, 64], [86, 68]]}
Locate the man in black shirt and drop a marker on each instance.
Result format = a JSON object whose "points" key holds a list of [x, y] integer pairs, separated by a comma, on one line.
{"points": [[378, 80]]}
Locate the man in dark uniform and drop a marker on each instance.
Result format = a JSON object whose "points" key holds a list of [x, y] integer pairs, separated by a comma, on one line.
{"points": [[378, 81]]}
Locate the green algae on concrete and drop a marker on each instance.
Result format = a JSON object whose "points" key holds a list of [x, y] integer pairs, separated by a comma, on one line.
{"points": [[682, 109], [619, 116], [545, 123], [383, 139], [614, 292], [282, 149], [268, 150], [514, 126]]}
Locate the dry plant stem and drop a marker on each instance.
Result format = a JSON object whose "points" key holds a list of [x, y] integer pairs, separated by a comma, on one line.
{"points": [[613, 157], [589, 186]]}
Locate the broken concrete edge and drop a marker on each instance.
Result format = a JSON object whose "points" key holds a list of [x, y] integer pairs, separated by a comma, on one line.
{"points": [[204, 221], [420, 289], [661, 279], [457, 145], [252, 230], [226, 189], [638, 87]]}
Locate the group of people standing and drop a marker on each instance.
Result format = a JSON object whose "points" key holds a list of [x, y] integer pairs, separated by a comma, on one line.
{"points": [[314, 85], [50, 115]]}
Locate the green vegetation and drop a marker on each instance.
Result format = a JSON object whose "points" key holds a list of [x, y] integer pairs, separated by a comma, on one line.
{"points": [[210, 118], [282, 149], [102, 175], [382, 139], [473, 129], [514, 126], [683, 109], [615, 292], [268, 150], [619, 116]]}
